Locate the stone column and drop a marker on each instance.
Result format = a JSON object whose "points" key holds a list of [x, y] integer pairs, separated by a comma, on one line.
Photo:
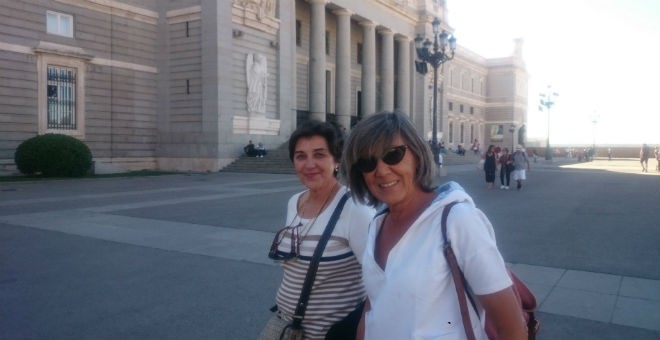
{"points": [[403, 75], [368, 67], [387, 70], [317, 60], [343, 62]]}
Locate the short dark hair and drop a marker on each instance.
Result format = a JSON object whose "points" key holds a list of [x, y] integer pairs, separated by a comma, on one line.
{"points": [[374, 135], [332, 135]]}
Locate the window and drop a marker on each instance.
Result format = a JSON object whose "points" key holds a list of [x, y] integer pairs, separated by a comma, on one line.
{"points": [[328, 91], [451, 132], [61, 96], [471, 110], [461, 108], [61, 93], [59, 24], [462, 133], [471, 132], [359, 53], [298, 34], [327, 42], [451, 106]]}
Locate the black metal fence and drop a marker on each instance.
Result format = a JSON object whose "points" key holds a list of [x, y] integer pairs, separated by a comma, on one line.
{"points": [[61, 97]]}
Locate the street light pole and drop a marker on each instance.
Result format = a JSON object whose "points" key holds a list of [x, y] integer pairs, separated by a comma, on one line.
{"points": [[444, 47], [546, 101], [594, 121], [512, 129]]}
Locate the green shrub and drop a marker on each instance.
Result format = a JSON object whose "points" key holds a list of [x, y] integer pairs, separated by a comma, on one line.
{"points": [[53, 155]]}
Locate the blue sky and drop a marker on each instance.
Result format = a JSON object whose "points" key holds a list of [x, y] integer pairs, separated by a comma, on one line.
{"points": [[601, 56]]}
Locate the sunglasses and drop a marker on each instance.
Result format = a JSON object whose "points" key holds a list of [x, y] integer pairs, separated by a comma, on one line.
{"points": [[391, 157], [293, 233]]}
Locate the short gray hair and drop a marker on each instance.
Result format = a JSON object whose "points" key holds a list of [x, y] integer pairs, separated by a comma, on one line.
{"points": [[374, 135]]}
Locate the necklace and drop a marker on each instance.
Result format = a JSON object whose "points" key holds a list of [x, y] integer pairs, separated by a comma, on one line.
{"points": [[305, 229]]}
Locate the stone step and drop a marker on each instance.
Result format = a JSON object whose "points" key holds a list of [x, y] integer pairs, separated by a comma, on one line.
{"points": [[277, 161]]}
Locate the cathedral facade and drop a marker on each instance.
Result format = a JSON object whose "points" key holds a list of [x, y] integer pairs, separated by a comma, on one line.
{"points": [[184, 84]]}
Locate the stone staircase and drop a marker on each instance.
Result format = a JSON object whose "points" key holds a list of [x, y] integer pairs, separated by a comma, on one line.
{"points": [[449, 158], [277, 162]]}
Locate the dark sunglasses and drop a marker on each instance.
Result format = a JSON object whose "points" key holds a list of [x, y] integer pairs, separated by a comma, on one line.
{"points": [[293, 232], [391, 157]]}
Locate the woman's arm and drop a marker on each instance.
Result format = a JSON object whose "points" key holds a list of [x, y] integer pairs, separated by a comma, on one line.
{"points": [[503, 309]]}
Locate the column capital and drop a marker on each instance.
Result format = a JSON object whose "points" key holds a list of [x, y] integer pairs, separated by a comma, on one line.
{"points": [[385, 31], [401, 38], [367, 23], [342, 12]]}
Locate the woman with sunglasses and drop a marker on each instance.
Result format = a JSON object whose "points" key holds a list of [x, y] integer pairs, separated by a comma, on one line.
{"points": [[411, 294], [315, 150]]}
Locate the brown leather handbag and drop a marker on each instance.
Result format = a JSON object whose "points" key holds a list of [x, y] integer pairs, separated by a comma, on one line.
{"points": [[525, 297]]}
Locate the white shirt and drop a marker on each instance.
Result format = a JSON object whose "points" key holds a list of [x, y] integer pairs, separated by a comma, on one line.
{"points": [[414, 297]]}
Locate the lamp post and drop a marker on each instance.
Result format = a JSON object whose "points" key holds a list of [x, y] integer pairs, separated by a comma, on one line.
{"points": [[512, 129], [594, 121], [443, 49], [546, 101]]}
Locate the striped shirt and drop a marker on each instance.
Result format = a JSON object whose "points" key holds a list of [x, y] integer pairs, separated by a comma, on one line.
{"points": [[338, 287]]}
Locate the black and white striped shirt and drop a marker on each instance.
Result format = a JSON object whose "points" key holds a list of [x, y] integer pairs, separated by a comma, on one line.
{"points": [[338, 287]]}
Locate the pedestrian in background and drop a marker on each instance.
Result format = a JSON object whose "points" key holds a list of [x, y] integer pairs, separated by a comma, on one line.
{"points": [[506, 165], [644, 154], [490, 166], [519, 161]]}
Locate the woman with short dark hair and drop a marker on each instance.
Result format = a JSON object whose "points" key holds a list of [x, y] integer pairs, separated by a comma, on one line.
{"points": [[315, 148]]}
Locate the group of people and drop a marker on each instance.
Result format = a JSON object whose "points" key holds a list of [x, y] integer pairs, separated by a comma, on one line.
{"points": [[384, 259], [254, 151], [513, 165], [645, 154]]}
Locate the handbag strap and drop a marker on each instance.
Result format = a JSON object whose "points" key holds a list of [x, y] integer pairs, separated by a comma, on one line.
{"points": [[456, 274], [314, 264]]}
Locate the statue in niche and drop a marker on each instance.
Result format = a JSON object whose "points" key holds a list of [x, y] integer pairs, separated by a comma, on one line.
{"points": [[256, 69]]}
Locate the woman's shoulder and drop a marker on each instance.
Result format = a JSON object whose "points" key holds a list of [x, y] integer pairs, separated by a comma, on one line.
{"points": [[359, 208]]}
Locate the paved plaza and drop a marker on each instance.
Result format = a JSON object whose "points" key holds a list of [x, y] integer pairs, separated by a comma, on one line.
{"points": [[184, 256]]}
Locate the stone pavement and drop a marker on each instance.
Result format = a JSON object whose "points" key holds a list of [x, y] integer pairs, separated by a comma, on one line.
{"points": [[183, 256]]}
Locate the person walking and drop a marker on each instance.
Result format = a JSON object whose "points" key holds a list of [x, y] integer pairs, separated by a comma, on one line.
{"points": [[411, 293], [644, 154], [506, 165], [490, 166], [315, 150], [519, 159]]}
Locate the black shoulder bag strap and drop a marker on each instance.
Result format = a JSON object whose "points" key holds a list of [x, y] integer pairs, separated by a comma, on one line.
{"points": [[456, 274], [314, 264]]}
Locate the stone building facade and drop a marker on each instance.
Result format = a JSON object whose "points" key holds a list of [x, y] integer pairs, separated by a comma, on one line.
{"points": [[184, 84]]}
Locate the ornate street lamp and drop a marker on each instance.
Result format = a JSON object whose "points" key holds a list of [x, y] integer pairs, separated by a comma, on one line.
{"points": [[444, 46], [512, 129], [546, 101]]}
